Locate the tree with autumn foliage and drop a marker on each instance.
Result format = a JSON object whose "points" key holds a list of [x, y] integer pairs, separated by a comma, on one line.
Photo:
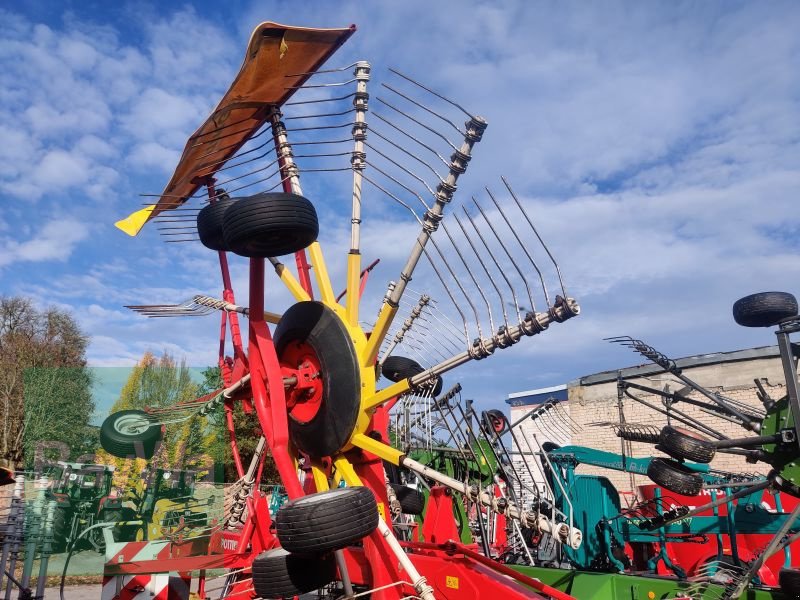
{"points": [[161, 382], [45, 385]]}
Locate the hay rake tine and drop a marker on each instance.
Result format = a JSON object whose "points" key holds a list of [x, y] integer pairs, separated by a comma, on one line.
{"points": [[498, 267], [442, 335], [435, 93], [449, 292], [485, 270], [319, 100], [423, 107], [507, 253], [412, 138], [748, 421], [573, 424], [471, 276], [465, 443], [536, 231], [407, 153], [447, 324], [402, 168], [418, 122], [500, 210]]}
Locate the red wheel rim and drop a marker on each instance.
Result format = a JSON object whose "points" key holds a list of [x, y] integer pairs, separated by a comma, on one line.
{"points": [[303, 399]]}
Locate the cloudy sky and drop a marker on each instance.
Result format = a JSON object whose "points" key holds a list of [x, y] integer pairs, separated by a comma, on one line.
{"points": [[654, 144]]}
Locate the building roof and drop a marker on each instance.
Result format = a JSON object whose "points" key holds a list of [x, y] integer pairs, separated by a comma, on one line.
{"points": [[537, 396], [684, 363]]}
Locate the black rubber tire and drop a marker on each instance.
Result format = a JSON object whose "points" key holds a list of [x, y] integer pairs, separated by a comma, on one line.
{"points": [[95, 536], [397, 368], [686, 445], [789, 582], [279, 574], [270, 224], [122, 445], [318, 326], [326, 521], [495, 421], [764, 309], [209, 223], [675, 477], [412, 501], [60, 530], [392, 472]]}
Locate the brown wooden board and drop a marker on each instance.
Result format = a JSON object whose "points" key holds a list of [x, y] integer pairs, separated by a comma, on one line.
{"points": [[279, 58]]}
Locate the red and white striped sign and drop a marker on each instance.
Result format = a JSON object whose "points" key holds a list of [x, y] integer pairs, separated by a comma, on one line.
{"points": [[158, 586]]}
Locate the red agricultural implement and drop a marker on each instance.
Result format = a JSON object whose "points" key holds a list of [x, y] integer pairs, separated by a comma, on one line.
{"points": [[315, 375]]}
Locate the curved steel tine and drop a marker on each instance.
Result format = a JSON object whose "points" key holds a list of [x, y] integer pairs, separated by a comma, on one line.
{"points": [[418, 122], [499, 268], [541, 241], [408, 153], [471, 275], [320, 115], [425, 108], [508, 254], [397, 182], [407, 324], [445, 162], [430, 91], [445, 320], [320, 85], [425, 345], [524, 249], [440, 345], [321, 127], [318, 100], [485, 270], [449, 293], [401, 167], [441, 335], [393, 197]]}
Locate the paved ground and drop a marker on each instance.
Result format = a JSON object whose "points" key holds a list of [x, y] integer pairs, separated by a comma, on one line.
{"points": [[74, 592]]}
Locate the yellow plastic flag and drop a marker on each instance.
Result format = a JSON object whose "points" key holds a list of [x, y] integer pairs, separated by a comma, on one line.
{"points": [[133, 224]]}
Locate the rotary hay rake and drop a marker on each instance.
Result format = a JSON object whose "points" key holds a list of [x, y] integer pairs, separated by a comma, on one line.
{"points": [[313, 379]]}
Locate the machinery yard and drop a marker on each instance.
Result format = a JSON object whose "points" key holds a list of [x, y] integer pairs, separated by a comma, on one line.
{"points": [[375, 290]]}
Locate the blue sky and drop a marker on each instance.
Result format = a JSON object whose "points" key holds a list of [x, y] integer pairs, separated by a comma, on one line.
{"points": [[656, 145]]}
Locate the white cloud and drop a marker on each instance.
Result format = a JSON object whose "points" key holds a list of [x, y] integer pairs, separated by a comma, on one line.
{"points": [[55, 241]]}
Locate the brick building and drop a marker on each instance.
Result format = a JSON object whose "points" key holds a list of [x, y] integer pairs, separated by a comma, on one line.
{"points": [[593, 399]]}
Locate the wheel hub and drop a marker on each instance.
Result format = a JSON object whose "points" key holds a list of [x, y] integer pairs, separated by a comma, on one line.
{"points": [[318, 355], [131, 424], [304, 397]]}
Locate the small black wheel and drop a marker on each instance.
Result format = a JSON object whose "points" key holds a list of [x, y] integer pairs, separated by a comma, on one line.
{"points": [[269, 224], [95, 536], [685, 444], [764, 309], [789, 582], [495, 421], [326, 521], [392, 472], [130, 433], [209, 222], [320, 423], [279, 574], [397, 368], [412, 501], [675, 477]]}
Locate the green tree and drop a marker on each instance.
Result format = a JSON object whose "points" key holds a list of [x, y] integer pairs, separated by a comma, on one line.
{"points": [[159, 382], [45, 387], [248, 432]]}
